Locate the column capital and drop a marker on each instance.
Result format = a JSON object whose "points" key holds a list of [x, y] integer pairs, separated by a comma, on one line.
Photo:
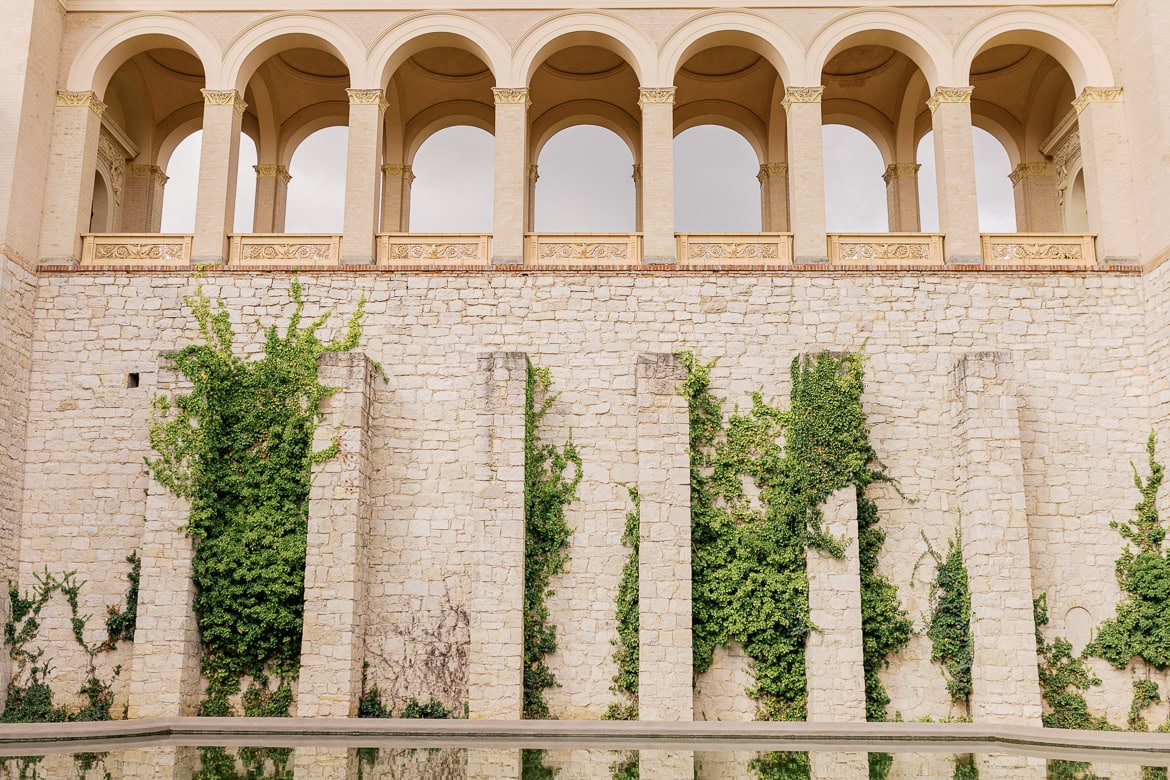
{"points": [[1027, 170], [896, 170], [949, 95], [368, 97], [506, 96], [138, 170], [398, 171], [637, 172], [768, 170], [224, 97], [533, 172], [88, 99], [1096, 95], [271, 171], [656, 95], [802, 95]]}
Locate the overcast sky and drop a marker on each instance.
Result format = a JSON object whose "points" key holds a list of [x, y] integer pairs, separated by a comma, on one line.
{"points": [[586, 183]]}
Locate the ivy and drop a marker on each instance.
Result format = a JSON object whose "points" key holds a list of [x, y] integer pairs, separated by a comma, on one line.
{"points": [[532, 766], [370, 705], [122, 620], [948, 624], [782, 765], [1145, 693], [1064, 678], [749, 566], [965, 768], [625, 682], [547, 491], [628, 768]]}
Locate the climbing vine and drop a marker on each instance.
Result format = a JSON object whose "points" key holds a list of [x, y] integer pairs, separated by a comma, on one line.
{"points": [[749, 567], [1064, 678], [625, 682], [547, 491], [239, 448], [948, 625]]}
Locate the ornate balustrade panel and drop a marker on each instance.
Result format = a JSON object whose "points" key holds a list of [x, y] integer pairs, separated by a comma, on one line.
{"points": [[1039, 249], [735, 248], [135, 249], [846, 249], [583, 249], [407, 249], [285, 249]]}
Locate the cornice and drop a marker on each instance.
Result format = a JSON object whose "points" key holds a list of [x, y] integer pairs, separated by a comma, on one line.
{"points": [[94, 6]]}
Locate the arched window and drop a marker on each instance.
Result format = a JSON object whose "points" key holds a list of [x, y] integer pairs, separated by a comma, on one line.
{"points": [[182, 187], [99, 215], [715, 184], [316, 194], [586, 183], [993, 188], [453, 189], [855, 195]]}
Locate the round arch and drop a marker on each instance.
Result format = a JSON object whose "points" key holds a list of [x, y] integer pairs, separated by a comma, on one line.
{"points": [[427, 30], [920, 43], [267, 37], [864, 119], [174, 130], [732, 116], [304, 123], [97, 60], [583, 29], [586, 112], [732, 28], [451, 113], [1001, 125], [1078, 52]]}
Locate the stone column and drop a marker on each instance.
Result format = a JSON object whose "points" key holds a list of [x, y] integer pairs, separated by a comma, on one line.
{"points": [[164, 676], [902, 197], [1037, 202], [834, 659], [494, 673], [636, 174], [1108, 176], [215, 209], [657, 191], [954, 155], [77, 122], [530, 197], [271, 198], [511, 184], [396, 179], [143, 199], [773, 178], [664, 541], [806, 173], [990, 474], [333, 641], [366, 109]]}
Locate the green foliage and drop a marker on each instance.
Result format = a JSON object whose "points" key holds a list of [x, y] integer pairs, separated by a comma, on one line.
{"points": [[1063, 680], [122, 620], [547, 491], [532, 766], [627, 769], [370, 705], [239, 447], [948, 625], [1142, 626], [781, 766], [1061, 769], [749, 567], [625, 682], [1145, 693], [880, 765], [965, 768]]}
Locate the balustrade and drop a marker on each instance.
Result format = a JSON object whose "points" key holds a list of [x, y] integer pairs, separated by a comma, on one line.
{"points": [[1039, 249], [847, 249], [285, 249], [398, 249], [586, 249], [135, 249], [735, 248]]}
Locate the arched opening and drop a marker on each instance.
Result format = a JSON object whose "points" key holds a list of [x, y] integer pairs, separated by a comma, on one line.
{"points": [[99, 215], [586, 183], [855, 198], [716, 187], [316, 194], [453, 189], [182, 185], [1077, 206], [993, 186]]}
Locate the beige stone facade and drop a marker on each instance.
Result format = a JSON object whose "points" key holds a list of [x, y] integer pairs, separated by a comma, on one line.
{"points": [[1010, 378]]}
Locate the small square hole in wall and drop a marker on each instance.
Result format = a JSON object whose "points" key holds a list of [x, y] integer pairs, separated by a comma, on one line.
{"points": [[132, 379]]}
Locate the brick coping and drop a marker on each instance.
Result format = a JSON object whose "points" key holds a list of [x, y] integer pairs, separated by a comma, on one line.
{"points": [[26, 739]]}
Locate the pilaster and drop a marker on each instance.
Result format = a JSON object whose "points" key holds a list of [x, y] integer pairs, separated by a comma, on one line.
{"points": [[664, 541], [271, 198], [902, 197], [530, 196], [223, 113], [1108, 177], [496, 657], [362, 175], [511, 184], [773, 178], [333, 639], [164, 675], [70, 176], [954, 154], [143, 199], [990, 474], [1037, 198], [806, 179], [396, 181], [657, 190]]}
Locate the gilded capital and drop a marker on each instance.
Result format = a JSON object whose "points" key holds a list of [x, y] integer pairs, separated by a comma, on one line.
{"points": [[637, 174], [142, 171], [768, 170], [367, 97], [533, 172], [397, 171], [506, 96], [224, 97], [88, 99], [898, 170], [656, 95], [949, 95], [1028, 169], [1096, 95], [271, 171], [802, 95]]}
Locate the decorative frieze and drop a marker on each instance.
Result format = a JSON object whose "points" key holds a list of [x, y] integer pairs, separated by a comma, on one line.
{"points": [[584, 249], [88, 99], [949, 95], [656, 95], [802, 95], [419, 249], [224, 97], [511, 96], [275, 249], [132, 249], [1096, 95], [111, 160], [152, 172]]}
